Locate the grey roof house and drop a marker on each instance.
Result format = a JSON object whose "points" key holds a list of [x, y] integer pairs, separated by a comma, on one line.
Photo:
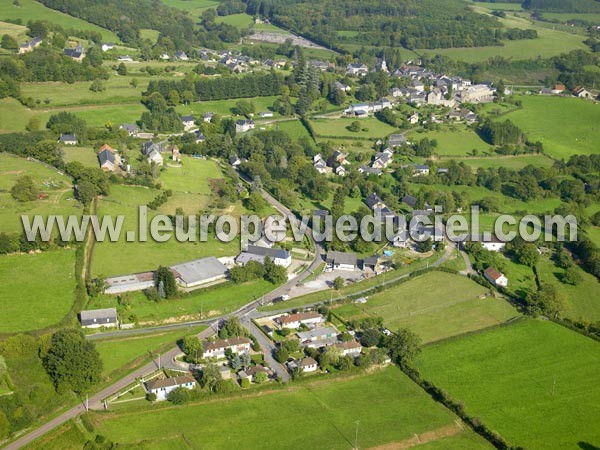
{"points": [[96, 318]]}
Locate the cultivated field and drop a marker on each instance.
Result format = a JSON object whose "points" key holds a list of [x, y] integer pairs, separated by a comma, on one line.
{"points": [[37, 289], [323, 414], [436, 305], [534, 382]]}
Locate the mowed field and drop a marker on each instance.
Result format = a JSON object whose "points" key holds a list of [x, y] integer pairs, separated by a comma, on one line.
{"points": [[323, 415], [225, 107], [435, 306], [510, 162], [566, 126], [49, 180], [375, 129], [37, 289], [456, 140], [192, 176], [534, 382], [31, 10]]}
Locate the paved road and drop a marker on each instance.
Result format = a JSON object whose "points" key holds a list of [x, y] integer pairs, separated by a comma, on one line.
{"points": [[268, 348]]}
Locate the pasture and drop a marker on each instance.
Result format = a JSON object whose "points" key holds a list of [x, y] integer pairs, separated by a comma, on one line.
{"points": [[435, 306], [241, 20], [19, 32], [534, 382], [214, 301], [37, 289], [85, 155], [191, 177], [455, 140], [32, 10], [224, 107], [566, 126], [510, 162], [323, 414], [120, 352]]}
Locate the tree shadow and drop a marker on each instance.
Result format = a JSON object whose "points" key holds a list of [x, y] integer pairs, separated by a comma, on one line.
{"points": [[586, 446]]}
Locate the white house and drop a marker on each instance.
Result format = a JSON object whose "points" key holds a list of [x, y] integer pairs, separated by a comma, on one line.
{"points": [[106, 47], [342, 260], [308, 365], [256, 253], [241, 126], [162, 388], [188, 122], [155, 157], [68, 139], [495, 277], [266, 114], [352, 348], [295, 320], [357, 70], [96, 318], [216, 349]]}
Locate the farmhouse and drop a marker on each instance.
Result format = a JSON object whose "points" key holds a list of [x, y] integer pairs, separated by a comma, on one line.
{"points": [[495, 277], [125, 58], [295, 320], [107, 46], [208, 116], [68, 139], [181, 56], [241, 126], [341, 87], [162, 388], [155, 157], [216, 349], [352, 348], [581, 92], [96, 318], [396, 140], [129, 283], [366, 170], [357, 70], [420, 170], [342, 260], [492, 243], [198, 272], [319, 337], [257, 253], [188, 122], [374, 202]]}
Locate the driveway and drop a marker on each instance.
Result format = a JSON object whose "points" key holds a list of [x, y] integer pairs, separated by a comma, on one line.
{"points": [[268, 348]]}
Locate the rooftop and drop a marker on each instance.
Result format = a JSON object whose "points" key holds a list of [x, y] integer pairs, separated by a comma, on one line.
{"points": [[199, 270]]}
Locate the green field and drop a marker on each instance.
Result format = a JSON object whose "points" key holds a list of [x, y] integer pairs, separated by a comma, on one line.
{"points": [[513, 163], [14, 116], [194, 7], [323, 415], [85, 155], [17, 31], [241, 20], [337, 128], [49, 180], [32, 10], [214, 301], [506, 377], [549, 42], [118, 90], [191, 177], [580, 303], [37, 289], [457, 140], [566, 126], [117, 353], [567, 17], [224, 107], [435, 306], [140, 256]]}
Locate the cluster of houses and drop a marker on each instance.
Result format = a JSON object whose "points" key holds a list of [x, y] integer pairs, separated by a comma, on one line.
{"points": [[561, 89], [336, 163]]}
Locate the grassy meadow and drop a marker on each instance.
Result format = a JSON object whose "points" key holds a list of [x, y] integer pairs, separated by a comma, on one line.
{"points": [[454, 141], [534, 382], [435, 306], [38, 289], [371, 128]]}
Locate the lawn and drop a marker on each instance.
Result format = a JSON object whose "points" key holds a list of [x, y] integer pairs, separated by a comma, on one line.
{"points": [[37, 289], [566, 126], [293, 128], [32, 10], [581, 304], [323, 415], [213, 301], [534, 382], [457, 140], [122, 257], [116, 353], [375, 129], [435, 306], [192, 176]]}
